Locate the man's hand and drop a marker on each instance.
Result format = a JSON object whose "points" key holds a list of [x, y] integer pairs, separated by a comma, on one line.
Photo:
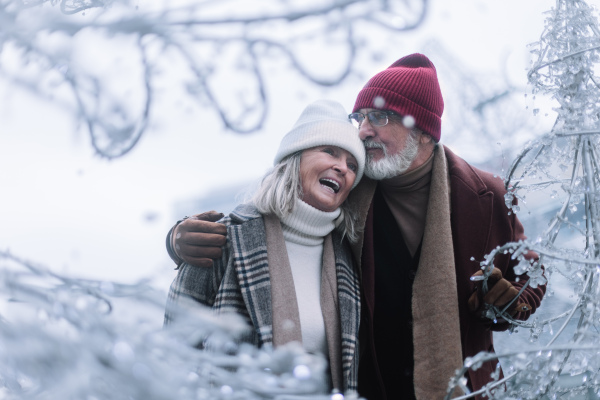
{"points": [[500, 293], [198, 239]]}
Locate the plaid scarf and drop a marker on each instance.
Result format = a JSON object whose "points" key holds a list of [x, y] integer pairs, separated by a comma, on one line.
{"points": [[240, 282]]}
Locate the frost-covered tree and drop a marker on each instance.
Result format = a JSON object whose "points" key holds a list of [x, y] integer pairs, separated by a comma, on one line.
{"points": [[109, 60], [71, 339], [484, 114], [560, 171]]}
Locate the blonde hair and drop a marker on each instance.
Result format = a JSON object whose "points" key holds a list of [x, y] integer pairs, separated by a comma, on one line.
{"points": [[281, 186]]}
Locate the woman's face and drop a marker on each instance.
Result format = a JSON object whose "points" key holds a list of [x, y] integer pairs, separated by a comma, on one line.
{"points": [[327, 174]]}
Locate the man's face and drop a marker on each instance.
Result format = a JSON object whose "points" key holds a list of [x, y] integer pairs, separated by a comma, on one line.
{"points": [[391, 149]]}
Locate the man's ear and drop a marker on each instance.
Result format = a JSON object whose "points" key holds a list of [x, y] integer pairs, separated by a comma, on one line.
{"points": [[425, 138]]}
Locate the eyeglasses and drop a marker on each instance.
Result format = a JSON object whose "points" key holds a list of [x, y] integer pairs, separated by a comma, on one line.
{"points": [[376, 118]]}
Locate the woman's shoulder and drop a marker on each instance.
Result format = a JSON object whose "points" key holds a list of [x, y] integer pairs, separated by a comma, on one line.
{"points": [[240, 214]]}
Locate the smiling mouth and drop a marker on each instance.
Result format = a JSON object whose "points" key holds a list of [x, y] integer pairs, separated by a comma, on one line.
{"points": [[331, 184]]}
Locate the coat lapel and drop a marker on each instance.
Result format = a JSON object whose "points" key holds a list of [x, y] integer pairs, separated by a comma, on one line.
{"points": [[348, 292], [331, 313], [472, 209], [472, 217], [249, 251], [361, 198]]}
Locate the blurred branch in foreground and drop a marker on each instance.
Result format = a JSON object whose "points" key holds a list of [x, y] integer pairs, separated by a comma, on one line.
{"points": [[69, 338], [104, 60]]}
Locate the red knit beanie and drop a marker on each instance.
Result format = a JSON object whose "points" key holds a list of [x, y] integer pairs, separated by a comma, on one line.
{"points": [[409, 87]]}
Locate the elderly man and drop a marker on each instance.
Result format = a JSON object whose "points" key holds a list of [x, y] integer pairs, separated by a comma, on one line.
{"points": [[429, 218]]}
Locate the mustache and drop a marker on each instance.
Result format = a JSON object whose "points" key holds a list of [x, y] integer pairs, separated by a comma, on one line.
{"points": [[370, 144]]}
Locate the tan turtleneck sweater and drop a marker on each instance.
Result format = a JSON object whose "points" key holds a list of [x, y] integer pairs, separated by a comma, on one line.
{"points": [[407, 197]]}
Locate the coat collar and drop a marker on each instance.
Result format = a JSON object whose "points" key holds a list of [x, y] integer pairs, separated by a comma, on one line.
{"points": [[461, 175], [462, 170], [244, 212], [472, 203]]}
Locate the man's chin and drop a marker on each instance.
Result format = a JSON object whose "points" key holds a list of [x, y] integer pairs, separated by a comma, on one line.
{"points": [[379, 173], [383, 169]]}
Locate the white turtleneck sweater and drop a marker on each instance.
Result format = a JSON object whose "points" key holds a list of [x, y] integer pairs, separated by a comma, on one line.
{"points": [[304, 230]]}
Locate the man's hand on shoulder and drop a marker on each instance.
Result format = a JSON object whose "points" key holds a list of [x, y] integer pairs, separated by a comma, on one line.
{"points": [[198, 239]]}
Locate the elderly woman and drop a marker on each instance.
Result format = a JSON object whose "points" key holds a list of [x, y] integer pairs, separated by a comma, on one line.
{"points": [[286, 258]]}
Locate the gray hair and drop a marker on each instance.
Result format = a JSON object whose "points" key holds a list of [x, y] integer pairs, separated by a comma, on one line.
{"points": [[281, 186]]}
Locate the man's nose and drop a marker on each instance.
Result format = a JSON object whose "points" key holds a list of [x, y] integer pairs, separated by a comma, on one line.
{"points": [[366, 130]]}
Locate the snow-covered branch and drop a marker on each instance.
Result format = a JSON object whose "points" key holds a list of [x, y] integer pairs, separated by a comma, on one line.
{"points": [[109, 60], [69, 338], [561, 171]]}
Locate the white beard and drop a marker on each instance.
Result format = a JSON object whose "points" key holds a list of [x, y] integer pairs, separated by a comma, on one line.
{"points": [[394, 165]]}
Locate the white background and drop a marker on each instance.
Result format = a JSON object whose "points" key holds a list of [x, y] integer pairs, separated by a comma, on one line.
{"points": [[66, 208]]}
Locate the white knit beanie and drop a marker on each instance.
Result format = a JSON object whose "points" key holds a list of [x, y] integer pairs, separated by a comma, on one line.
{"points": [[324, 122]]}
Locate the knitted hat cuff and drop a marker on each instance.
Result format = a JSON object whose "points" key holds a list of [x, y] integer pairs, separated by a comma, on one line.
{"points": [[324, 123], [427, 121], [311, 138]]}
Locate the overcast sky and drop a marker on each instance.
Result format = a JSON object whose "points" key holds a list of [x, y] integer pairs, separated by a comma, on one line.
{"points": [[67, 208]]}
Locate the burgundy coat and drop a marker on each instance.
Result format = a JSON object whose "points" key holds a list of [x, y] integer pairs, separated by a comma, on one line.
{"points": [[480, 222]]}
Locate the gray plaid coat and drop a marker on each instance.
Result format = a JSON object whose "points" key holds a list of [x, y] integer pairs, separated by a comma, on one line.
{"points": [[239, 282]]}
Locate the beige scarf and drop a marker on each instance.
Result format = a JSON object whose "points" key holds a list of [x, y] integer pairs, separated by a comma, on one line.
{"points": [[286, 317], [436, 325]]}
